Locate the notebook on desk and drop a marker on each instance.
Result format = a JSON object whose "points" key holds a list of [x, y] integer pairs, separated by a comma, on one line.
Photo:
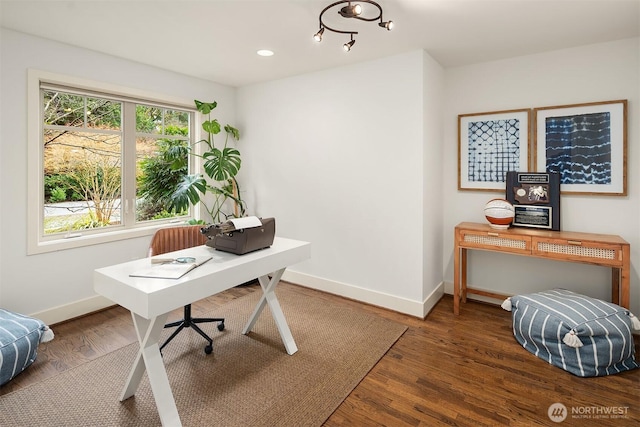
{"points": [[169, 269]]}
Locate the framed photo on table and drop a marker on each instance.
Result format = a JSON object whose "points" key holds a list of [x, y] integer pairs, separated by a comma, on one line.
{"points": [[535, 197], [586, 144], [490, 145]]}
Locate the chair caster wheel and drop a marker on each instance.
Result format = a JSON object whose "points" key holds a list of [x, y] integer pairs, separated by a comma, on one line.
{"points": [[208, 349], [221, 327]]}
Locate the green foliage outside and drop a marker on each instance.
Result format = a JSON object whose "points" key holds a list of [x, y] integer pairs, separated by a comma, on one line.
{"points": [[59, 183], [159, 177], [58, 194]]}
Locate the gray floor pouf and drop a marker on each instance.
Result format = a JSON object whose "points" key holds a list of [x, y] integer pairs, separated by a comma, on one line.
{"points": [[19, 339], [585, 336]]}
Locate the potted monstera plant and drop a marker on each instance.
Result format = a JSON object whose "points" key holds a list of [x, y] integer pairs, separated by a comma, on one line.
{"points": [[220, 164]]}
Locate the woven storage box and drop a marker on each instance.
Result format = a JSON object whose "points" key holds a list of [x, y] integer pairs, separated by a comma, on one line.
{"points": [[585, 336]]}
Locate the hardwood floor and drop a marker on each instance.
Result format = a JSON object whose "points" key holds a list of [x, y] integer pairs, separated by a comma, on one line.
{"points": [[445, 370]]}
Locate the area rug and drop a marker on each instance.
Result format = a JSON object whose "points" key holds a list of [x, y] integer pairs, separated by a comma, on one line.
{"points": [[248, 380]]}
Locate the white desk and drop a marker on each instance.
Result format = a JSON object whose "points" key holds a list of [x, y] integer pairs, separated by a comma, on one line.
{"points": [[151, 300]]}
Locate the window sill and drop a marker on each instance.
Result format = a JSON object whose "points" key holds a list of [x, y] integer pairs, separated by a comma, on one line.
{"points": [[80, 240]]}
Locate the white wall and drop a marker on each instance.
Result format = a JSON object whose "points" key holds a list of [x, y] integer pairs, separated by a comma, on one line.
{"points": [[338, 158], [61, 282], [599, 72], [433, 170]]}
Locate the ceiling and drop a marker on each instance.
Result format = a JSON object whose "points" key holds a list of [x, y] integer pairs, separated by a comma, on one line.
{"points": [[217, 40]]}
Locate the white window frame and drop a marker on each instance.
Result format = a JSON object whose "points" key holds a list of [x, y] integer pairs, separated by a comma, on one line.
{"points": [[37, 242]]}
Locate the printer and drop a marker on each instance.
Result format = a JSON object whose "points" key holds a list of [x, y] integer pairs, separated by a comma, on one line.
{"points": [[241, 235]]}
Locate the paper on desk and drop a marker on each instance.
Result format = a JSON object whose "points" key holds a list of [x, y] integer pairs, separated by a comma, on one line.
{"points": [[170, 270], [246, 222]]}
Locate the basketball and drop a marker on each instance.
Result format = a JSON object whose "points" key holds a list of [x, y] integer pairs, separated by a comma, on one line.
{"points": [[499, 213]]}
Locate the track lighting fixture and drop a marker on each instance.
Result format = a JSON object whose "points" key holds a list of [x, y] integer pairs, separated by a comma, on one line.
{"points": [[353, 9]]}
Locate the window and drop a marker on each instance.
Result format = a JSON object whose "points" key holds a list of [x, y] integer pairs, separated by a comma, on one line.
{"points": [[82, 158], [158, 132], [100, 154]]}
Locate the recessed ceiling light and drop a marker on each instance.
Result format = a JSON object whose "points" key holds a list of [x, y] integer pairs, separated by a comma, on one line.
{"points": [[265, 52]]}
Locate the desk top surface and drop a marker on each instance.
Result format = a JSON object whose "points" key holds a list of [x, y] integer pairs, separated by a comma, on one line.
{"points": [[150, 297]]}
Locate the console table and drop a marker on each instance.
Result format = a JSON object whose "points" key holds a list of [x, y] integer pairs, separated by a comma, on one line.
{"points": [[598, 249]]}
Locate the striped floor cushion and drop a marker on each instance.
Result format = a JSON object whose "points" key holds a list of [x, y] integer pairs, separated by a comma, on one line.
{"points": [[582, 335], [19, 339]]}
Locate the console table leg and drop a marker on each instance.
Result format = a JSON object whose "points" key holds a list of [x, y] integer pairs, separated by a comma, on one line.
{"points": [[456, 280], [625, 272], [463, 279], [615, 285]]}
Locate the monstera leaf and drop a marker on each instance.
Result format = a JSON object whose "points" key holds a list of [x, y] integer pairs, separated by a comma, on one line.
{"points": [[230, 130], [222, 165], [205, 107], [177, 156], [211, 126], [188, 192]]}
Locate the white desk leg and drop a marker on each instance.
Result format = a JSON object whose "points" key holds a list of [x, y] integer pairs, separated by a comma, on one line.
{"points": [[150, 359], [269, 298]]}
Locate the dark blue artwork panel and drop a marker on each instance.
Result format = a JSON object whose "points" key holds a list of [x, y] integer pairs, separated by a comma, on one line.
{"points": [[494, 149], [579, 148]]}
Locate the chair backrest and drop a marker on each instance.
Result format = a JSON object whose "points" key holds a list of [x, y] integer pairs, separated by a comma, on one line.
{"points": [[176, 238]]}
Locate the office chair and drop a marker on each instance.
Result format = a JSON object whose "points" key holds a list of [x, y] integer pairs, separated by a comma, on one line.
{"points": [[174, 239]]}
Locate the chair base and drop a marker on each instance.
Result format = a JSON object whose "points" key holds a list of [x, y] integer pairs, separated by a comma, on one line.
{"points": [[190, 322]]}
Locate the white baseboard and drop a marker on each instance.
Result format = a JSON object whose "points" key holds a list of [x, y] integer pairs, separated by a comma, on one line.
{"points": [[74, 309], [432, 299], [391, 302]]}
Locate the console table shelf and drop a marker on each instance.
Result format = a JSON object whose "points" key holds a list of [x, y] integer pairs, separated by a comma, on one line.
{"points": [[587, 248]]}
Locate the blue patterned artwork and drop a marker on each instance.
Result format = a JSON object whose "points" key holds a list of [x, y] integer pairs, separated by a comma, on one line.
{"points": [[494, 149], [579, 148]]}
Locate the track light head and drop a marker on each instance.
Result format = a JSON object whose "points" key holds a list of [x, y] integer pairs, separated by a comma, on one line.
{"points": [[387, 24], [347, 46], [350, 11]]}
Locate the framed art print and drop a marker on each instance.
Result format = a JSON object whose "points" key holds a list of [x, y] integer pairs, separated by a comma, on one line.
{"points": [[490, 145], [586, 144]]}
